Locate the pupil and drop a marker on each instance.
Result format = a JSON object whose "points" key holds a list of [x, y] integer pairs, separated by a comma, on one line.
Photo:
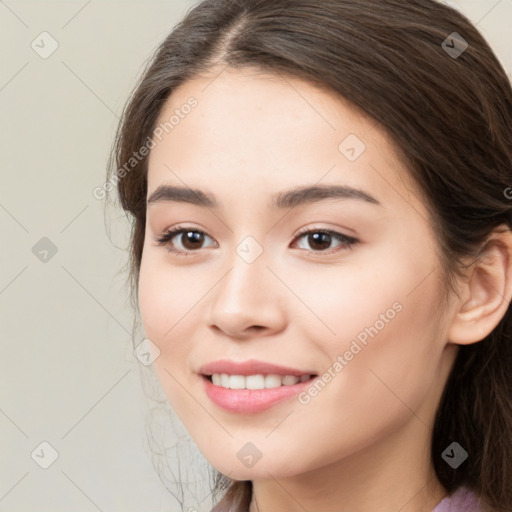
{"points": [[317, 236], [192, 236]]}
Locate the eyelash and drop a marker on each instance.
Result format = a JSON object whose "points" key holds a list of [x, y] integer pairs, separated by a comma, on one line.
{"points": [[167, 236]]}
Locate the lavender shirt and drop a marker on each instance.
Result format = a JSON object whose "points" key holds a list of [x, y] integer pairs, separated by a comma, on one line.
{"points": [[462, 500]]}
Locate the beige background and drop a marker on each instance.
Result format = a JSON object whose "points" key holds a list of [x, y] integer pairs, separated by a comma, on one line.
{"points": [[67, 373]]}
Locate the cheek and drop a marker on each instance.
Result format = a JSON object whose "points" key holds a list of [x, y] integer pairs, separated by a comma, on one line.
{"points": [[385, 352], [378, 384], [168, 299], [344, 303], [383, 322], [390, 297], [153, 301], [167, 309]]}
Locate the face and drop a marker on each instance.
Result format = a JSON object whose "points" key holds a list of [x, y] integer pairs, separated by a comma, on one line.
{"points": [[338, 290]]}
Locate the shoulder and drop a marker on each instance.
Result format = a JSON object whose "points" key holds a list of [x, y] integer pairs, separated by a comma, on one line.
{"points": [[462, 500]]}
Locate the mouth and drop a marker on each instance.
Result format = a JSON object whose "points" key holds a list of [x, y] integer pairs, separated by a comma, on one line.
{"points": [[257, 381], [252, 387]]}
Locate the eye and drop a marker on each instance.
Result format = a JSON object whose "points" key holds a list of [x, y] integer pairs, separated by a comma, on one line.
{"points": [[192, 240], [321, 239]]}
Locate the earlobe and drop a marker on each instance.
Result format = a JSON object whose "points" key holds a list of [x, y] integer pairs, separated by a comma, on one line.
{"points": [[487, 291]]}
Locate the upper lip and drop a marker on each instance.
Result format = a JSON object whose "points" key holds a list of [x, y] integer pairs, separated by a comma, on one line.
{"points": [[249, 367]]}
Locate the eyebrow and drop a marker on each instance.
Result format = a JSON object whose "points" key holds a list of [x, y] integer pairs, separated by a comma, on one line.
{"points": [[287, 199]]}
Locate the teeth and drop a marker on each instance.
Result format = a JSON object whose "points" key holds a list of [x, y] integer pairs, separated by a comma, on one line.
{"points": [[273, 381], [236, 382], [256, 381], [289, 380], [224, 380]]}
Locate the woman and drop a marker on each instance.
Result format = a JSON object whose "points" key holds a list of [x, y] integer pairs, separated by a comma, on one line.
{"points": [[321, 251]]}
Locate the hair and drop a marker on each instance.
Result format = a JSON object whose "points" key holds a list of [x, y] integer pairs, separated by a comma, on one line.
{"points": [[448, 116]]}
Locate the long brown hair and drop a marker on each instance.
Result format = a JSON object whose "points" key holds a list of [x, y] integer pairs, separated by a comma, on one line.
{"points": [[447, 108]]}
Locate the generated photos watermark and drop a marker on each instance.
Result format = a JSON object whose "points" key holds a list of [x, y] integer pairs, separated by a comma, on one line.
{"points": [[163, 128], [356, 346]]}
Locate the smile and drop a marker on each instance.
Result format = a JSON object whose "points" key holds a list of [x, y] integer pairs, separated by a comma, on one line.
{"points": [[252, 386], [267, 390], [258, 381]]}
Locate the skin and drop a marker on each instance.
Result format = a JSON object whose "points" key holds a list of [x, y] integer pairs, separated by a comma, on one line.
{"points": [[363, 442]]}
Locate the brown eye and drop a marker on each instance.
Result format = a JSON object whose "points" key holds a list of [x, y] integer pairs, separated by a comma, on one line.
{"points": [[319, 240], [183, 240], [191, 239]]}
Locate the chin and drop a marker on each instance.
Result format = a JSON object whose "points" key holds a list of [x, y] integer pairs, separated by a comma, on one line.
{"points": [[266, 467]]}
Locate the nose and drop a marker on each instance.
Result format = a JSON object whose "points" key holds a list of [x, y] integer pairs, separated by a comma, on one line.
{"points": [[248, 301]]}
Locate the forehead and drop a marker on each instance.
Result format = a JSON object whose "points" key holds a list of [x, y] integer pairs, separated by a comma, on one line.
{"points": [[259, 110], [251, 130]]}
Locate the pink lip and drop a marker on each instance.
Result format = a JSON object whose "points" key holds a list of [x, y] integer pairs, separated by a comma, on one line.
{"points": [[250, 400], [250, 367]]}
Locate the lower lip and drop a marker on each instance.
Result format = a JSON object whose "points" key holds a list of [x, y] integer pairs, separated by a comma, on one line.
{"points": [[251, 400]]}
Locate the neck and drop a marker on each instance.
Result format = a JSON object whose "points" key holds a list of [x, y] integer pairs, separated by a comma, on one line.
{"points": [[389, 476]]}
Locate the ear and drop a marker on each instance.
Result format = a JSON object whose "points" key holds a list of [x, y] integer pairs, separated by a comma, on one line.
{"points": [[486, 292]]}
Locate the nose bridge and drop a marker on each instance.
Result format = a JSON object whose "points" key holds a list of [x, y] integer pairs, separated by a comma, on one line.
{"points": [[245, 296], [242, 285]]}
